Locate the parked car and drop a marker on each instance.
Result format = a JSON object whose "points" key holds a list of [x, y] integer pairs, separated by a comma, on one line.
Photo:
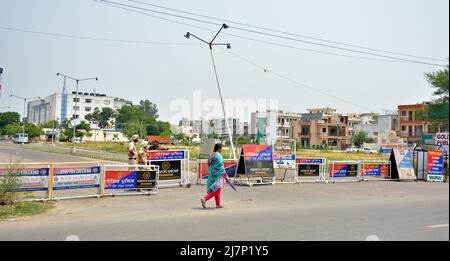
{"points": [[351, 149], [369, 151], [20, 138]]}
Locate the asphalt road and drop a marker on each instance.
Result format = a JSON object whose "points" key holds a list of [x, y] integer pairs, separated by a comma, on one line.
{"points": [[17, 154], [351, 211]]}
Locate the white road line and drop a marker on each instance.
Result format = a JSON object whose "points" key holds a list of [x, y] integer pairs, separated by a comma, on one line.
{"points": [[438, 226]]}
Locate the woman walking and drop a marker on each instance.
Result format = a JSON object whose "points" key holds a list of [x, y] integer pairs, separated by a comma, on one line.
{"points": [[216, 172]]}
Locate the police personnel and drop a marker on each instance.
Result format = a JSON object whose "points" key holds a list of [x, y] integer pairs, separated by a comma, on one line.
{"points": [[132, 150], [142, 153], [155, 146]]}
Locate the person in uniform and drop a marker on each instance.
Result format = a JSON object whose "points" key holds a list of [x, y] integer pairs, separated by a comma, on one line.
{"points": [[155, 146], [132, 150], [142, 153]]}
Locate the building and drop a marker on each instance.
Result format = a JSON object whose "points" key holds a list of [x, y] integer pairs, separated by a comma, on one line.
{"points": [[105, 135], [411, 125], [331, 130], [218, 126], [61, 107], [273, 124], [378, 126]]}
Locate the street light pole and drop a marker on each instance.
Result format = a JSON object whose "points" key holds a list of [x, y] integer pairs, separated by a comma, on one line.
{"points": [[76, 103], [24, 112], [210, 45]]}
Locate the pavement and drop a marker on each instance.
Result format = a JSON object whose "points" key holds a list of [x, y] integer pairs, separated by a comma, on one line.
{"points": [[377, 210]]}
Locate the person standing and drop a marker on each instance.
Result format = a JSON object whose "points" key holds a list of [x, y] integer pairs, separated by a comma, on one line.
{"points": [[216, 172], [132, 150], [142, 153]]}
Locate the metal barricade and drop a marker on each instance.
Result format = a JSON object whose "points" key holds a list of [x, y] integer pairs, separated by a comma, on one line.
{"points": [[311, 170], [33, 179], [123, 180], [173, 167], [372, 170], [344, 171], [71, 180]]}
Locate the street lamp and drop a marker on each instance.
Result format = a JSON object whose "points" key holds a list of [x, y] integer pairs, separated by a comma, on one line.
{"points": [[24, 111], [76, 102], [228, 45]]}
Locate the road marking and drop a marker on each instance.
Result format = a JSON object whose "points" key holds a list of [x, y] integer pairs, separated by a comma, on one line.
{"points": [[438, 226]]}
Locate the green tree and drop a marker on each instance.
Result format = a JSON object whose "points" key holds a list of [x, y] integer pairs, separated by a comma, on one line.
{"points": [[101, 118], [12, 128], [33, 131], [50, 124], [8, 117], [80, 131], [148, 108], [359, 138], [439, 81]]}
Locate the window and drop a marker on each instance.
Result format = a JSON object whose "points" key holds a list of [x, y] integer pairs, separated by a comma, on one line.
{"points": [[76, 108], [403, 113], [87, 109], [76, 99], [324, 130], [403, 128], [88, 100], [107, 102]]}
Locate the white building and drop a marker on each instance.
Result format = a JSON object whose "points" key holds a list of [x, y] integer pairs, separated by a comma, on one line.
{"points": [[218, 126], [273, 124], [61, 107], [380, 128]]}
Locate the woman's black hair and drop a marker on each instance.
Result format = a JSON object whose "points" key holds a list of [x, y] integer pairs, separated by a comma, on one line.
{"points": [[217, 147]]}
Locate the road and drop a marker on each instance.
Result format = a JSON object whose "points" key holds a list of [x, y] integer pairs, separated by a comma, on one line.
{"points": [[347, 211]]}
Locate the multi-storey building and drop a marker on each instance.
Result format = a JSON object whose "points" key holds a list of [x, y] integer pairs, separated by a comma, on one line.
{"points": [[328, 130], [273, 124], [61, 107], [411, 122]]}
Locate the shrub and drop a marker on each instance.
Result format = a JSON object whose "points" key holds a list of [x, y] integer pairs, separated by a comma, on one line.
{"points": [[9, 183]]}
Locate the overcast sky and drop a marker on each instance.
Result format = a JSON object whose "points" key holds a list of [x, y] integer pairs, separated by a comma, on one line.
{"points": [[167, 72]]}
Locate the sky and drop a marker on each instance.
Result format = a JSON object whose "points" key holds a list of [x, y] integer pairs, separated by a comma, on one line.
{"points": [[177, 71]]}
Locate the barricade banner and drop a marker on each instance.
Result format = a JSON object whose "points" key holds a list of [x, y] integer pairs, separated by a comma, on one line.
{"points": [[256, 161], [435, 166], [130, 179], [284, 161], [313, 161], [339, 170], [165, 155], [76, 177], [375, 169], [29, 178], [168, 169], [309, 170]]}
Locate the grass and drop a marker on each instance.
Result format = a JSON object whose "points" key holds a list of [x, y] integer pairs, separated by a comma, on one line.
{"points": [[337, 155], [21, 209]]}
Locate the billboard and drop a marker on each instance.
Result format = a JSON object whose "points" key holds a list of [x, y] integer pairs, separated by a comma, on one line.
{"points": [[375, 169], [285, 161], [435, 166], [402, 164], [442, 140], [168, 169], [308, 170], [165, 155]]}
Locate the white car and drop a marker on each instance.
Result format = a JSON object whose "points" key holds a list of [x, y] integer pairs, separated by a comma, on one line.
{"points": [[369, 151], [352, 149], [20, 138]]}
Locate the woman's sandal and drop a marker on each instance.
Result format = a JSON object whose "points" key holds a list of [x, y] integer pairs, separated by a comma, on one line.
{"points": [[203, 202]]}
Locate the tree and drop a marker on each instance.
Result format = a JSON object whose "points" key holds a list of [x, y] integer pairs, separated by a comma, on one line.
{"points": [[50, 124], [101, 118], [439, 81], [80, 131], [359, 138], [8, 117], [148, 108]]}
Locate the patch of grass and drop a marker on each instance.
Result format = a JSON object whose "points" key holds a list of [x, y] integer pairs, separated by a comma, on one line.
{"points": [[21, 209], [338, 156]]}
